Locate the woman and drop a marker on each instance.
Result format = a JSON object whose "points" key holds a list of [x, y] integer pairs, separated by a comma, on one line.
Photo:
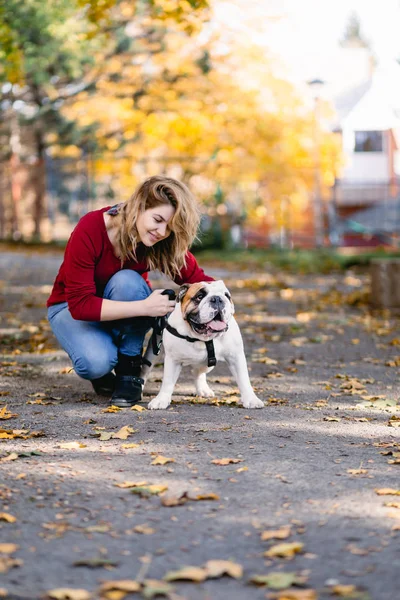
{"points": [[101, 305]]}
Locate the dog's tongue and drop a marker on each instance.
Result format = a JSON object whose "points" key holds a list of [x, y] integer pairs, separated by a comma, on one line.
{"points": [[217, 325]]}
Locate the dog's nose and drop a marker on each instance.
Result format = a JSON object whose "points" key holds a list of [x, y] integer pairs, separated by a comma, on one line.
{"points": [[216, 301]]}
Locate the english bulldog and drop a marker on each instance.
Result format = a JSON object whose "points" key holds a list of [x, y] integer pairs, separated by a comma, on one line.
{"points": [[200, 331]]}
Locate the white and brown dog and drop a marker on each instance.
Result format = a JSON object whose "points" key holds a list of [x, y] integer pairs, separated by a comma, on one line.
{"points": [[202, 330]]}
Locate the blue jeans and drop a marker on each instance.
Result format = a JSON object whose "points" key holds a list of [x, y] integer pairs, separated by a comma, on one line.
{"points": [[93, 346]]}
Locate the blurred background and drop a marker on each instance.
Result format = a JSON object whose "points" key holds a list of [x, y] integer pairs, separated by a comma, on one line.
{"points": [[282, 116]]}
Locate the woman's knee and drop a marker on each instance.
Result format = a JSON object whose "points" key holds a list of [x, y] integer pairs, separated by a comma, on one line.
{"points": [[94, 365], [126, 285]]}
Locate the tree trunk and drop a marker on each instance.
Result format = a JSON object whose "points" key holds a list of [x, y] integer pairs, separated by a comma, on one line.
{"points": [[15, 175], [39, 185]]}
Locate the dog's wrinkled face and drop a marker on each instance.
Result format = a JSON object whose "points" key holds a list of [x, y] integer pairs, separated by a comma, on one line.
{"points": [[207, 307]]}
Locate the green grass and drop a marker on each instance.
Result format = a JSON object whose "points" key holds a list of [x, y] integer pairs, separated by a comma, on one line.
{"points": [[294, 261]]}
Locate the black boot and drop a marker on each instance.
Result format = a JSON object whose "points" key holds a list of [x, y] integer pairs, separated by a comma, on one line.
{"points": [[104, 386], [128, 383]]}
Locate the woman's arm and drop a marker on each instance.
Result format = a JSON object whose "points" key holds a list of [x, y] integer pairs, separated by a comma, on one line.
{"points": [[155, 305]]}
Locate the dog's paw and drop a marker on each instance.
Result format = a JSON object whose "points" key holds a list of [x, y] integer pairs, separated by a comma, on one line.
{"points": [[204, 391], [159, 403], [252, 402]]}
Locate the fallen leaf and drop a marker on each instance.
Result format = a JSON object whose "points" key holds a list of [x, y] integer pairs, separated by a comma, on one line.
{"points": [[343, 590], [276, 580], [357, 471], [7, 517], [276, 534], [161, 460], [8, 548], [95, 563], [394, 421], [286, 550], [149, 490], [129, 586], [111, 409], [124, 432], [72, 445], [154, 588], [5, 414], [138, 408], [226, 461], [130, 484], [144, 529], [295, 595], [7, 563], [387, 492], [196, 574], [11, 456], [218, 568], [68, 594]]}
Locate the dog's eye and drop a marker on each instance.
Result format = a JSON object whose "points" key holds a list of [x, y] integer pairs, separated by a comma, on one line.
{"points": [[227, 295], [200, 296]]}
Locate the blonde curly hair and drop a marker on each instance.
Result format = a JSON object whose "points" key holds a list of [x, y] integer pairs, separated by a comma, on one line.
{"points": [[168, 255]]}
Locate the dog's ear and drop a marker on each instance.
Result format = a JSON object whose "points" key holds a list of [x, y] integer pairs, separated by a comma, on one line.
{"points": [[182, 291]]}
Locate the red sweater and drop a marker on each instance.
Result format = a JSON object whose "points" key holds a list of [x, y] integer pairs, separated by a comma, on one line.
{"points": [[89, 263]]}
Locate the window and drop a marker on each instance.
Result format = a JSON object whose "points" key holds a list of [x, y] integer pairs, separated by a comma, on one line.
{"points": [[368, 141]]}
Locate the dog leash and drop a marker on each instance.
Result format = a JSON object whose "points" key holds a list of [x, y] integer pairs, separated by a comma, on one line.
{"points": [[211, 360], [159, 325]]}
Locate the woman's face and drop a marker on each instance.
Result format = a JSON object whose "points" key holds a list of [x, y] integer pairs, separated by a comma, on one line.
{"points": [[153, 224]]}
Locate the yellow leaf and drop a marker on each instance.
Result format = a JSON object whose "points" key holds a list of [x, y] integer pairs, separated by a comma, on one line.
{"points": [[387, 492], [161, 460], [5, 414], [343, 590], [8, 548], [295, 595], [68, 594], [11, 456], [138, 408], [7, 517], [276, 534], [226, 461], [196, 574], [218, 568], [72, 445], [149, 490], [144, 529], [124, 432], [123, 585], [357, 471], [286, 550], [7, 563], [130, 484], [111, 409]]}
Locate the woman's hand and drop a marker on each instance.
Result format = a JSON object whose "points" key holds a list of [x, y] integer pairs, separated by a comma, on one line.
{"points": [[157, 304]]}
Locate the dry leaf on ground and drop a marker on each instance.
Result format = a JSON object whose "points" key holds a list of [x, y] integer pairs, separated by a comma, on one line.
{"points": [[286, 550], [68, 594], [7, 563], [7, 517], [196, 574], [218, 568], [276, 534], [8, 548], [276, 580], [6, 414], [72, 445], [226, 461], [162, 460]]}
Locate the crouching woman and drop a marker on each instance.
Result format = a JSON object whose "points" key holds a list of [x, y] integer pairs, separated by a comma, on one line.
{"points": [[101, 305]]}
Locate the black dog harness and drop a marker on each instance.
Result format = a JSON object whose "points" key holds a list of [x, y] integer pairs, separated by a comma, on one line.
{"points": [[211, 360], [161, 324]]}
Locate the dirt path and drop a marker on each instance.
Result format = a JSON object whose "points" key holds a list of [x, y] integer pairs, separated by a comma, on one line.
{"points": [[303, 472]]}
